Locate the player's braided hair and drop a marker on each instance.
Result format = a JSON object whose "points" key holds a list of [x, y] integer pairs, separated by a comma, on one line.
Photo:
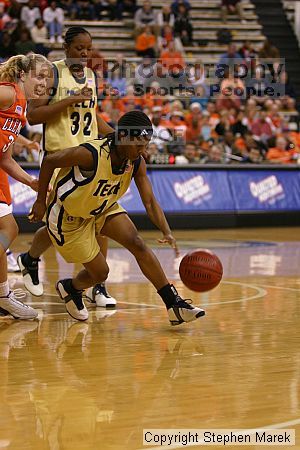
{"points": [[72, 32], [135, 123], [132, 123]]}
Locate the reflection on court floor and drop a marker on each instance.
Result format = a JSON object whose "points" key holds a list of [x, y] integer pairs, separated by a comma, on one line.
{"points": [[87, 386]]}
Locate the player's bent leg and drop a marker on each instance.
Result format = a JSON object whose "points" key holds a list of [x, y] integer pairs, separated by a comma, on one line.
{"points": [[98, 293], [71, 290], [29, 262], [120, 228]]}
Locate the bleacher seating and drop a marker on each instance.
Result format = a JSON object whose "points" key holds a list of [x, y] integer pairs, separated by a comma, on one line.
{"points": [[115, 37]]}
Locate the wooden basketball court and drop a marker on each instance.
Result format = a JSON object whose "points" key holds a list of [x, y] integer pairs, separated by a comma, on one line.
{"points": [[67, 385]]}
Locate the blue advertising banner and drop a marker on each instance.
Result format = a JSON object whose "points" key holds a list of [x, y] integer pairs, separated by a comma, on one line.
{"points": [[192, 191], [265, 190], [131, 201], [189, 191]]}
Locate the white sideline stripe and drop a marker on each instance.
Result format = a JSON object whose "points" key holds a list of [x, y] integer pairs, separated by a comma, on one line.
{"points": [[274, 426]]}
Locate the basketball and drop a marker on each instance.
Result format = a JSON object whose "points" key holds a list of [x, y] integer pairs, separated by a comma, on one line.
{"points": [[200, 270]]}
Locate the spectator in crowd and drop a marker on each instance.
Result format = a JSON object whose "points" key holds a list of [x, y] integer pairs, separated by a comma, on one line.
{"points": [[232, 92], [145, 44], [16, 33], [253, 157], [156, 157], [173, 60], [161, 135], [39, 34], [258, 84], [262, 127], [145, 16], [166, 36], [177, 3], [165, 17], [200, 94], [232, 7], [68, 7], [160, 74], [113, 9], [25, 44], [191, 155], [249, 55], [269, 51], [5, 19], [144, 72], [30, 13], [54, 19], [196, 73], [215, 155], [128, 6], [83, 10], [183, 27], [117, 76], [281, 153], [7, 47], [284, 85], [177, 127], [227, 59], [247, 51], [193, 120]]}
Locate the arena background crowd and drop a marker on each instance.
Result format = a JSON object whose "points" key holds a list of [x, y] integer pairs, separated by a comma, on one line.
{"points": [[242, 110]]}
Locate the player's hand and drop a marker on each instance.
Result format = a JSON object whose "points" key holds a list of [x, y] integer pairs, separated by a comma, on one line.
{"points": [[169, 239], [33, 146], [81, 95], [37, 212], [34, 184]]}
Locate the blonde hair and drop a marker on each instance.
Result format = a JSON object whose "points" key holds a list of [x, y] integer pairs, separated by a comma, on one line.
{"points": [[11, 69]]}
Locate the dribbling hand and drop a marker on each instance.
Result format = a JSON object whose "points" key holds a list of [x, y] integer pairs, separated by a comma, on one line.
{"points": [[169, 239]]}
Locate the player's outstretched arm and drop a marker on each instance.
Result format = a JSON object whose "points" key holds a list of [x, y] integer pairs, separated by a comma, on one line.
{"points": [[152, 206], [74, 156]]}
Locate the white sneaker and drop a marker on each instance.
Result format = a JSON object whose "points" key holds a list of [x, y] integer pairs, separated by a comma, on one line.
{"points": [[60, 39], [12, 265], [31, 276], [74, 304], [182, 311], [99, 295], [52, 40], [16, 308]]}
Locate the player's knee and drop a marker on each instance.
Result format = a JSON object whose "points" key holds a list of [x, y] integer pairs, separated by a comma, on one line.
{"points": [[102, 274], [138, 245]]}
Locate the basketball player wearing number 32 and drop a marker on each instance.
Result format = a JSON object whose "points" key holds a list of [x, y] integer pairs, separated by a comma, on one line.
{"points": [[68, 113], [84, 203]]}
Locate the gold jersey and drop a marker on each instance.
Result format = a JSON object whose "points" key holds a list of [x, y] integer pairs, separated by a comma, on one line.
{"points": [[78, 122], [88, 196]]}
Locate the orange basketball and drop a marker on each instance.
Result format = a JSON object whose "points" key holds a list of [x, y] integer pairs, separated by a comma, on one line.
{"points": [[201, 270]]}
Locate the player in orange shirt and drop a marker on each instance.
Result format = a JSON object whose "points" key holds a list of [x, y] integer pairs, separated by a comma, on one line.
{"points": [[21, 78]]}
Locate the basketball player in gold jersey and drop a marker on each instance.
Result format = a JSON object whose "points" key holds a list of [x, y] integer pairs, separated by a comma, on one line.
{"points": [[84, 203], [69, 117]]}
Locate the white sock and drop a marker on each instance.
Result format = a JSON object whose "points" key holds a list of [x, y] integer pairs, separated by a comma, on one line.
{"points": [[4, 289]]}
